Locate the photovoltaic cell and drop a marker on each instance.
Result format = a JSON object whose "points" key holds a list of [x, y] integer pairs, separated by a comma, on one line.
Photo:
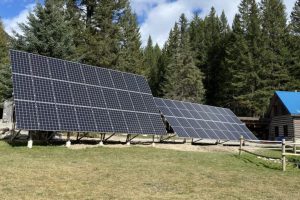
{"points": [[56, 95], [202, 121]]}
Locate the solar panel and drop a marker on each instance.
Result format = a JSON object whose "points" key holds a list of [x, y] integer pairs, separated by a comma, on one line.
{"points": [[56, 95], [190, 120]]}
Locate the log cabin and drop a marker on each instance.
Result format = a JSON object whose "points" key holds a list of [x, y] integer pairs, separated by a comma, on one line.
{"points": [[284, 114]]}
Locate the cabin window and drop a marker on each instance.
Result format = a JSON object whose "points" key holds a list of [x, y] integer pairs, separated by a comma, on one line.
{"points": [[285, 130], [276, 131]]}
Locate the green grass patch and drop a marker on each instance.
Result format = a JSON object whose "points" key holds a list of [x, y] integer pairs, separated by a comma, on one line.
{"points": [[54, 172]]}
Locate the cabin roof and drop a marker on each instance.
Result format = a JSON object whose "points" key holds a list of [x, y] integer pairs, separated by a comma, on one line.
{"points": [[291, 100]]}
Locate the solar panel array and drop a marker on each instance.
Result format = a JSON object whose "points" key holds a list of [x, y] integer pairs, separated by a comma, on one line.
{"points": [[191, 120], [56, 95]]}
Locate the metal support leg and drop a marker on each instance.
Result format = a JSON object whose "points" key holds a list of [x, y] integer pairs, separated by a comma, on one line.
{"points": [[68, 143], [102, 136], [153, 143], [29, 143], [128, 140]]}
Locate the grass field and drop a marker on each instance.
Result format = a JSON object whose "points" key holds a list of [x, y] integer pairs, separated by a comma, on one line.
{"points": [[54, 172]]}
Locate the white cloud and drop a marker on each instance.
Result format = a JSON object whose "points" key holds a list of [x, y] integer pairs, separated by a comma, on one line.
{"points": [[160, 15], [11, 24]]}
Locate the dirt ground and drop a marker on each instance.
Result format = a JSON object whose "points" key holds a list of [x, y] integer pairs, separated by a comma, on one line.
{"points": [[206, 146]]}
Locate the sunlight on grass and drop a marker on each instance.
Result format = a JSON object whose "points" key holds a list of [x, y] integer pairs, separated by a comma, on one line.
{"points": [[46, 172]]}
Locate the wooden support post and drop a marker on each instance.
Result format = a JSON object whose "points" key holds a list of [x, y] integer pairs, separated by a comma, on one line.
{"points": [[241, 145], [153, 138], [294, 146], [283, 156], [29, 143], [68, 143]]}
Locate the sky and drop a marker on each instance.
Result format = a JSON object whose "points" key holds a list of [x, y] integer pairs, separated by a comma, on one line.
{"points": [[155, 17]]}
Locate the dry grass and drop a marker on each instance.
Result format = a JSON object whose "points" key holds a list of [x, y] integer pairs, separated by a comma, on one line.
{"points": [[139, 173]]}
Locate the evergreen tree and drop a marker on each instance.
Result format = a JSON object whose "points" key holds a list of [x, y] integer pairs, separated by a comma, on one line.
{"points": [[47, 32], [295, 46], [130, 56], [5, 73], [243, 58], [295, 18], [151, 57], [274, 74], [197, 38], [182, 67], [103, 32], [239, 62]]}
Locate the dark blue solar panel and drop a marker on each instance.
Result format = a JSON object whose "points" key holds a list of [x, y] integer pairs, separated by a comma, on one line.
{"points": [[96, 96], [20, 62], [23, 87], [111, 98], [26, 116], [90, 75], [143, 85], [67, 118], [104, 77], [74, 72], [145, 123], [80, 94], [138, 102], [79, 97], [58, 69], [208, 121], [39, 66], [118, 121], [102, 119], [43, 90], [86, 120], [118, 80], [125, 100], [156, 123], [131, 82], [62, 92], [47, 117], [132, 122], [149, 103]]}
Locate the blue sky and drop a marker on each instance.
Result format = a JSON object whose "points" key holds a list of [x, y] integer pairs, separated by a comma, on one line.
{"points": [[156, 17]]}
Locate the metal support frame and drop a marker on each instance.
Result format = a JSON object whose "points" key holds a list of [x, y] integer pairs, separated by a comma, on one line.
{"points": [[129, 138], [80, 137], [15, 135], [193, 142], [164, 139], [102, 138], [153, 138], [50, 136], [223, 142], [105, 140]]}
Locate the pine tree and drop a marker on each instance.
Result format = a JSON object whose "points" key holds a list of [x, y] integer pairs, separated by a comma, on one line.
{"points": [[103, 32], [197, 41], [151, 58], [5, 73], [295, 18], [295, 46], [274, 74], [243, 59], [130, 57], [239, 62], [47, 31], [182, 67]]}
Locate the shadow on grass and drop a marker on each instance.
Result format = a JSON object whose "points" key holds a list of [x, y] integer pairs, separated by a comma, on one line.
{"points": [[250, 159]]}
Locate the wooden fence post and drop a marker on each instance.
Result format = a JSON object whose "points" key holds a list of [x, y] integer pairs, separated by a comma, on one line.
{"points": [[241, 144], [283, 155], [295, 146]]}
